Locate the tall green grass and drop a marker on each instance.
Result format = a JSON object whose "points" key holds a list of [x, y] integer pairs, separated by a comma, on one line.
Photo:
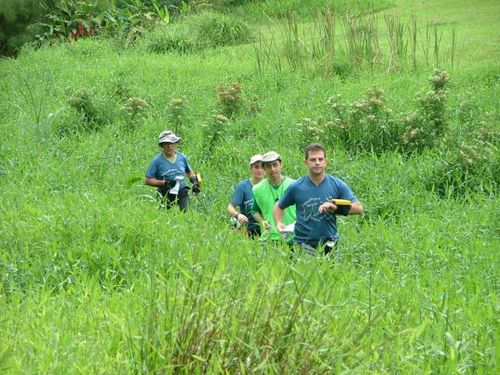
{"points": [[90, 268]]}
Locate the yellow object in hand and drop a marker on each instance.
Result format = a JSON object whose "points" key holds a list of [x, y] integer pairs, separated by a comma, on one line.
{"points": [[200, 181], [341, 202]]}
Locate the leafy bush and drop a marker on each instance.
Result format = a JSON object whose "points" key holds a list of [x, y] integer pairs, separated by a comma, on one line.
{"points": [[213, 132], [467, 168], [309, 131], [134, 110], [70, 19], [197, 32], [16, 24], [176, 109], [230, 99], [369, 125], [366, 124], [176, 37], [92, 112], [427, 126], [218, 29]]}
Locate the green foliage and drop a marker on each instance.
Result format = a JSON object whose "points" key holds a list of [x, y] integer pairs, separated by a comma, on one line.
{"points": [[307, 10], [90, 268], [130, 20], [465, 168], [81, 101], [344, 43], [197, 32], [469, 160], [172, 38], [70, 19], [365, 125], [309, 131], [428, 125], [230, 99], [177, 108], [91, 113], [369, 125], [16, 24], [213, 134], [134, 110]]}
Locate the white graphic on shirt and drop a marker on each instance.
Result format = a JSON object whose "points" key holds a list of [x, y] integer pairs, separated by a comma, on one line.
{"points": [[311, 212]]}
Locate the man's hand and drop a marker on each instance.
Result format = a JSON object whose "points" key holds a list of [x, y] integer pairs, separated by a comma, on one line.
{"points": [[196, 185], [327, 207], [242, 219], [169, 184], [280, 226]]}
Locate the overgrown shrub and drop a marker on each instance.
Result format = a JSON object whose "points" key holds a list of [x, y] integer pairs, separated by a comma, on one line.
{"points": [[91, 115], [134, 110], [70, 19], [427, 126], [467, 168], [308, 131], [219, 29], [213, 132], [176, 37], [198, 32], [176, 108], [17, 24], [366, 124], [81, 101], [230, 99]]}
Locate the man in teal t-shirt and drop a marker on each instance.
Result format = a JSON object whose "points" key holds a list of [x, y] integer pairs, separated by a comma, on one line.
{"points": [[268, 192], [314, 195]]}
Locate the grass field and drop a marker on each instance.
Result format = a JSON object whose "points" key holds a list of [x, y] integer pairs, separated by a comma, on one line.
{"points": [[95, 279]]}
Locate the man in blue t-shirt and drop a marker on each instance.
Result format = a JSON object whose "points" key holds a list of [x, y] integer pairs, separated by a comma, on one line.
{"points": [[167, 172], [316, 225], [242, 198]]}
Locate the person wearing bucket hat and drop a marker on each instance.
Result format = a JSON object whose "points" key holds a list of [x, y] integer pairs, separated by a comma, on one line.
{"points": [[268, 192], [167, 172], [318, 197], [242, 198]]}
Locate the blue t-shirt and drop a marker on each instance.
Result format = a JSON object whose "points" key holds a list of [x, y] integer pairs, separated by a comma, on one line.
{"points": [[311, 226], [161, 168], [243, 198]]}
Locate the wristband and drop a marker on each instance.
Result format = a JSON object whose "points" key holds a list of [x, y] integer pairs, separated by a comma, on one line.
{"points": [[342, 210], [193, 179]]}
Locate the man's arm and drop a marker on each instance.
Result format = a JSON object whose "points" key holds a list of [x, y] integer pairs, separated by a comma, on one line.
{"points": [[153, 182], [278, 216], [231, 208], [256, 213], [356, 209]]}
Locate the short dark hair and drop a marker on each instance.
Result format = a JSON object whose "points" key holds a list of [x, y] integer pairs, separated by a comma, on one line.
{"points": [[315, 147]]}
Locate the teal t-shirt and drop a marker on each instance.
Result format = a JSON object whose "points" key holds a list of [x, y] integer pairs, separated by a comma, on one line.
{"points": [[163, 169], [313, 227], [243, 198], [265, 197]]}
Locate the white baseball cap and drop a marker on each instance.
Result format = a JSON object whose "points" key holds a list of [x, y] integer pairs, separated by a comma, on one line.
{"points": [[270, 156], [256, 158]]}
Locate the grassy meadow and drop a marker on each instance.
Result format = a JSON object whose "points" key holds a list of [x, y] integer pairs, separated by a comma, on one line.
{"points": [[94, 278]]}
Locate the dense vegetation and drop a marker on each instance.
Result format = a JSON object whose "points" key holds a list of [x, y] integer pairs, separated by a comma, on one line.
{"points": [[95, 278]]}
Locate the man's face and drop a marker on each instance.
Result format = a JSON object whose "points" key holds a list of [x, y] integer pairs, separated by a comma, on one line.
{"points": [[273, 168], [257, 170], [316, 162], [169, 148]]}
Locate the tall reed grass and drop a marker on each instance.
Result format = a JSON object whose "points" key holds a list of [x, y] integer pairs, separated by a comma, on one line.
{"points": [[358, 44]]}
